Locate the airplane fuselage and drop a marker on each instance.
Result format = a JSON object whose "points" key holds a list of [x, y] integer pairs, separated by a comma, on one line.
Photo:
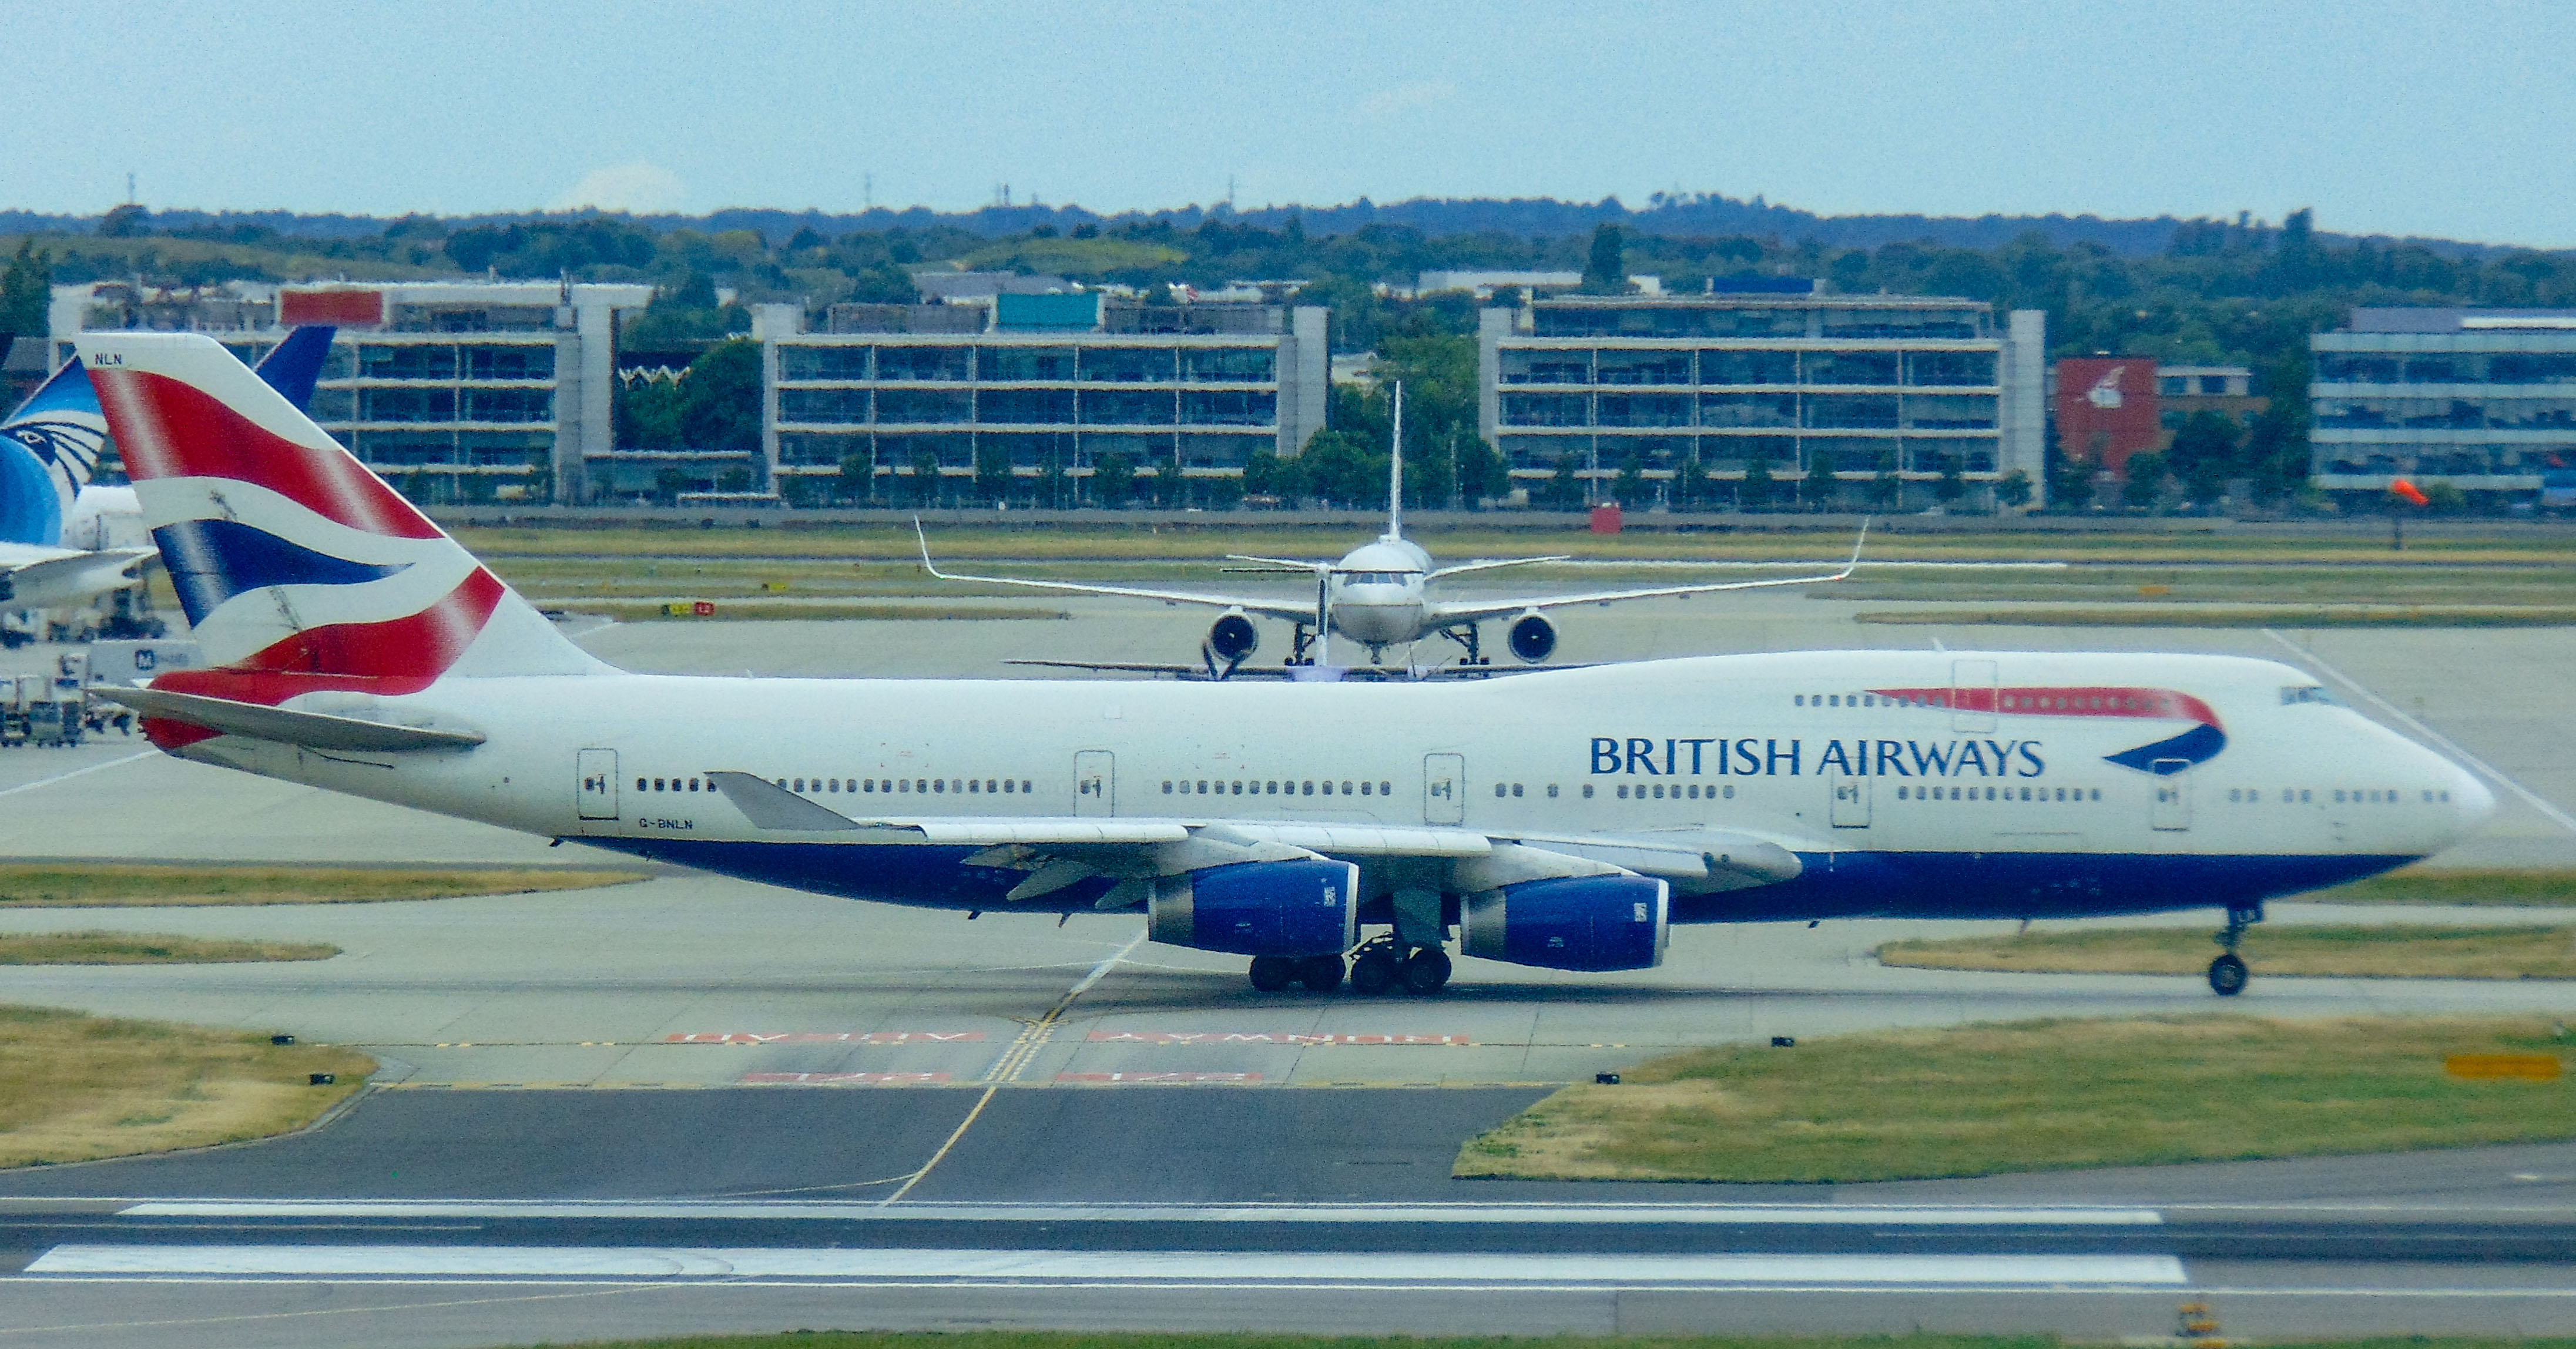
{"points": [[1903, 783]]}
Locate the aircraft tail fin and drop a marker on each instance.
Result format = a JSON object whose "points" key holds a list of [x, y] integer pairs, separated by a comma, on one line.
{"points": [[1395, 469], [294, 562], [294, 366], [54, 441]]}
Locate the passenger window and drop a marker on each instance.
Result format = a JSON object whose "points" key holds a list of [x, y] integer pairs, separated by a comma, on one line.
{"points": [[1364, 788], [1346, 789], [1499, 789], [1516, 789], [1386, 789], [1587, 791], [1730, 792], [639, 784], [1551, 790], [1798, 700]]}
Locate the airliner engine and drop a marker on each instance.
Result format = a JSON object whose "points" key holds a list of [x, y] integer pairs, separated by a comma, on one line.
{"points": [[1573, 923], [1296, 908], [1232, 637], [1533, 638]]}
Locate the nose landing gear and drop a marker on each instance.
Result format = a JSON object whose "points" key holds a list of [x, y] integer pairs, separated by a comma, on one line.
{"points": [[2227, 974]]}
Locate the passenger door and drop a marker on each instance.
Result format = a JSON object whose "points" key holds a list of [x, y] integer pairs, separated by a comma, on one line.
{"points": [[1095, 782], [1851, 799], [1444, 790], [598, 794], [2172, 806], [1972, 695]]}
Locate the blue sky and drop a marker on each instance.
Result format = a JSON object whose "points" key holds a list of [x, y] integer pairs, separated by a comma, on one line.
{"points": [[2425, 118]]}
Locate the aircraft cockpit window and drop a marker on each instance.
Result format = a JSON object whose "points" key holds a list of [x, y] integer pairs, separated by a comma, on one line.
{"points": [[2309, 693]]}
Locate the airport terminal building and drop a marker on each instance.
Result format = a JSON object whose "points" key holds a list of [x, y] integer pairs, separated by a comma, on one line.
{"points": [[455, 391], [2481, 399], [1051, 384], [1824, 393]]}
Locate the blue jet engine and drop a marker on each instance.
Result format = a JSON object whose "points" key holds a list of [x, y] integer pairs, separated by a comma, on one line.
{"points": [[1573, 923], [1307, 907]]}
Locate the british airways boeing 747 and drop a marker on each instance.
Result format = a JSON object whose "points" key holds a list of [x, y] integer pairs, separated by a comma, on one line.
{"points": [[1560, 819]]}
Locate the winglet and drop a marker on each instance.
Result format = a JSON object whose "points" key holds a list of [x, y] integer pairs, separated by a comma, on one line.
{"points": [[1857, 545]]}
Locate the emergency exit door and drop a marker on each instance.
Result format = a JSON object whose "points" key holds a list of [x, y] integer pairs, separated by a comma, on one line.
{"points": [[2171, 808], [1095, 782], [1851, 799], [1444, 789], [598, 795]]}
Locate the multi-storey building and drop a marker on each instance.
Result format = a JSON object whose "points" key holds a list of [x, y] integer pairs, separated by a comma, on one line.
{"points": [[1051, 384], [2483, 399], [1815, 389], [454, 391]]}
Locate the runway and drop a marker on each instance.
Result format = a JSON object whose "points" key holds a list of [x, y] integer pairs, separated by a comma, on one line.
{"points": [[698, 1104]]}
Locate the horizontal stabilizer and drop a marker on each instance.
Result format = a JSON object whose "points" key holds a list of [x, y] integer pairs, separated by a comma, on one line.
{"points": [[311, 730]]}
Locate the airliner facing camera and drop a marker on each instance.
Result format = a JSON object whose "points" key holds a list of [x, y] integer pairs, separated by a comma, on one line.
{"points": [[1378, 595], [1563, 819]]}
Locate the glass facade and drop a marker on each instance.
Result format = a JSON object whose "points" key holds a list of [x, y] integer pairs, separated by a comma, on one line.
{"points": [[1824, 387], [1194, 402], [2437, 396]]}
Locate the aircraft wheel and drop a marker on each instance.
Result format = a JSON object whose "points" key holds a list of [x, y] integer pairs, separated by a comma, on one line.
{"points": [[1273, 974], [2227, 975], [1426, 970], [1374, 973], [1321, 974]]}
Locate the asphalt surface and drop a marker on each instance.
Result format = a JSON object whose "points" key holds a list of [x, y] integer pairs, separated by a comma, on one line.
{"points": [[844, 1115]]}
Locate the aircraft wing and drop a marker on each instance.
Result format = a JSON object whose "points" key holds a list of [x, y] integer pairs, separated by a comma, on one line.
{"points": [[1465, 567], [1470, 612], [1329, 674], [1293, 612], [1057, 852], [43, 578]]}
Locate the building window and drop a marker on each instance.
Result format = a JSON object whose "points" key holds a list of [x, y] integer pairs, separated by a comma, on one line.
{"points": [[514, 362], [1126, 407], [407, 362], [509, 405], [1229, 365], [1024, 405], [1850, 367], [925, 363], [1748, 409], [823, 405], [834, 362], [924, 406], [1128, 365], [1028, 365], [406, 405], [1208, 407], [1546, 409], [1748, 367]]}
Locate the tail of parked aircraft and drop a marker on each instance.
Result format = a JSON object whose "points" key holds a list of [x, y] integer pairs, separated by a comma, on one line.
{"points": [[1395, 470], [296, 565], [54, 440], [294, 366]]}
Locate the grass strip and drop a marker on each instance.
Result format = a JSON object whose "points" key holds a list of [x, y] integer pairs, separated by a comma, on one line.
{"points": [[2038, 1096], [56, 885], [75, 1088], [1031, 1339], [772, 611], [2502, 888], [2342, 952], [2228, 616], [148, 948]]}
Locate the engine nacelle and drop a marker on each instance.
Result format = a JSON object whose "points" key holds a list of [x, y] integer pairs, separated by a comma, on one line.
{"points": [[1232, 637], [1532, 637], [1308, 907], [1576, 923]]}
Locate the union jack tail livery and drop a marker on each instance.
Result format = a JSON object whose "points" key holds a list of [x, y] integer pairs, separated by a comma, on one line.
{"points": [[300, 569]]}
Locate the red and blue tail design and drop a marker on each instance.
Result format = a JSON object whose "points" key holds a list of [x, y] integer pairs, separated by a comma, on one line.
{"points": [[2197, 745], [300, 570]]}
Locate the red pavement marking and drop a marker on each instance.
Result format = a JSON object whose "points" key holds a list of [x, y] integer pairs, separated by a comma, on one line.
{"points": [[1150, 1079], [816, 1037], [844, 1079], [1211, 1037]]}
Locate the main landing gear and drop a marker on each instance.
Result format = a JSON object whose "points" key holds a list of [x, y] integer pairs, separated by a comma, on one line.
{"points": [[1380, 966], [2227, 974]]}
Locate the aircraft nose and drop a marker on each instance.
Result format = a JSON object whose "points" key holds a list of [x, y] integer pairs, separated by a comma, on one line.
{"points": [[2472, 805]]}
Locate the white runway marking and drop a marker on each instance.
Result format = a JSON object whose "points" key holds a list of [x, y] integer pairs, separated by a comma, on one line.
{"points": [[1511, 1214], [1136, 1268], [66, 777], [2487, 770]]}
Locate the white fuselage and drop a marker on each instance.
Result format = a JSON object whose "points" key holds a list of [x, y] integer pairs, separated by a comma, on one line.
{"points": [[1793, 748], [1380, 594]]}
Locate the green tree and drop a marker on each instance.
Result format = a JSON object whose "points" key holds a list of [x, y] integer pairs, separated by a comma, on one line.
{"points": [[992, 472], [1756, 490], [2145, 486], [1564, 490], [858, 478], [925, 479], [2013, 489], [1113, 479], [1343, 470], [1266, 474], [26, 290], [647, 415], [1630, 488], [1951, 485], [2277, 455], [720, 399], [2205, 454], [1605, 267]]}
